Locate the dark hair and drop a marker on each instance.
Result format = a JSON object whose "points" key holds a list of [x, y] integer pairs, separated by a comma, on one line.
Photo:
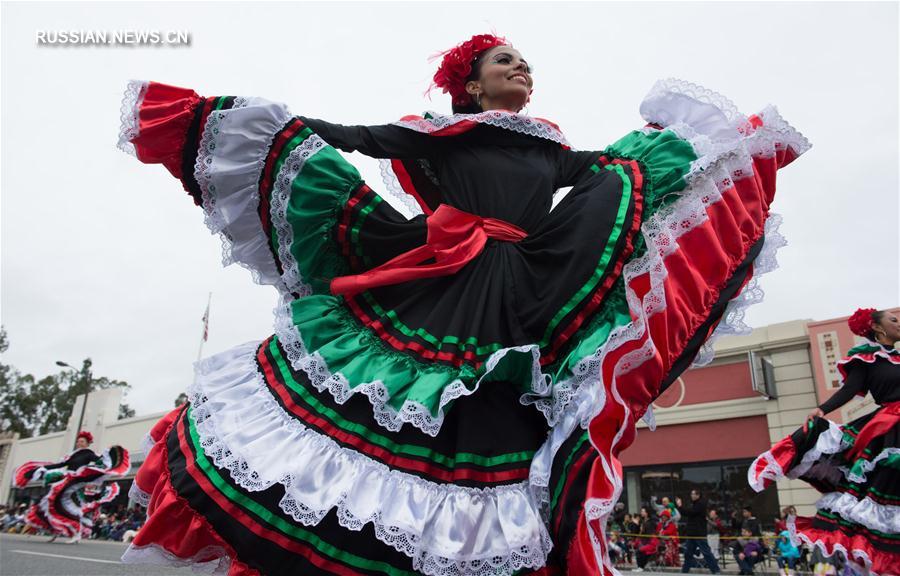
{"points": [[877, 316], [748, 509], [472, 107]]}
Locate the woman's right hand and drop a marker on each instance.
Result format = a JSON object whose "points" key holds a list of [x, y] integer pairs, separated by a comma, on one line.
{"points": [[815, 413]]}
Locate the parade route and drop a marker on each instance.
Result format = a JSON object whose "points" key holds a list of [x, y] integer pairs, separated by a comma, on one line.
{"points": [[34, 556]]}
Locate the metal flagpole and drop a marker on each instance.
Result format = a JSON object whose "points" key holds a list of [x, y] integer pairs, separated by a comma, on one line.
{"points": [[203, 336], [205, 327]]}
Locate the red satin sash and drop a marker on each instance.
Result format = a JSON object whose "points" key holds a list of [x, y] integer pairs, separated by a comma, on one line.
{"points": [[454, 239], [878, 425]]}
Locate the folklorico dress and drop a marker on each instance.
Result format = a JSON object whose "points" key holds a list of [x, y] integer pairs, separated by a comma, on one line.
{"points": [[855, 466], [455, 366], [77, 489]]}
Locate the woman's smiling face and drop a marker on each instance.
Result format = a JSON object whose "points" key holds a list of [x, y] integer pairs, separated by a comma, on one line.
{"points": [[504, 80]]}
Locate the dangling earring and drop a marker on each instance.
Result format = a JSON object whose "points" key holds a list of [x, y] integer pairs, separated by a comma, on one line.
{"points": [[478, 99]]}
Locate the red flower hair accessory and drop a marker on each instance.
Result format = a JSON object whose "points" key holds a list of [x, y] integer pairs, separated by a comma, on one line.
{"points": [[86, 435], [861, 321], [457, 65]]}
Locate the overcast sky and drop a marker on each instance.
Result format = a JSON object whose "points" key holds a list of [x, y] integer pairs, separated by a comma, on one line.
{"points": [[107, 258]]}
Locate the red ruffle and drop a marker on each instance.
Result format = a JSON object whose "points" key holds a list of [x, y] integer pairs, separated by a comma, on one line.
{"points": [[707, 257], [171, 523], [26, 471], [883, 563], [163, 119]]}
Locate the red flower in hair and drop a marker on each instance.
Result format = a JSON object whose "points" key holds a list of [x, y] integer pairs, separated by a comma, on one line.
{"points": [[861, 321], [457, 65], [86, 435]]}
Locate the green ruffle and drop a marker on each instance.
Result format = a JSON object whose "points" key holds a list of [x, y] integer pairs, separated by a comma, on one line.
{"points": [[327, 328], [665, 160]]}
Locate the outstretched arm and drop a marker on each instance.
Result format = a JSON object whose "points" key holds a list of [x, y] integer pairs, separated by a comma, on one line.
{"points": [[853, 385], [384, 141]]}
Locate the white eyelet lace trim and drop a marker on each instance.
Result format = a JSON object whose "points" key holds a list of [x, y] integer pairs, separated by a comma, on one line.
{"points": [[869, 465], [138, 496], [147, 444], [867, 512], [520, 123], [227, 170], [771, 471], [856, 556], [281, 196], [407, 205], [129, 124], [155, 554], [667, 87], [416, 517], [830, 441]]}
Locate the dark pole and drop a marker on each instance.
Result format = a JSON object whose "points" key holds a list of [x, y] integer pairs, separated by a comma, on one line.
{"points": [[87, 390]]}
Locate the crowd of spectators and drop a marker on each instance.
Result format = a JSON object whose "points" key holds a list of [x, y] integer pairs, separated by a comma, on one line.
{"points": [[113, 523], [690, 534]]}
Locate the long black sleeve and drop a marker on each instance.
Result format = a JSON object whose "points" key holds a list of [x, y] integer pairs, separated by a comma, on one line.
{"points": [[573, 166], [854, 384], [384, 141], [75, 460]]}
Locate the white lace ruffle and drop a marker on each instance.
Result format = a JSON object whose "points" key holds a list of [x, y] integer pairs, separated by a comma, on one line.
{"points": [[520, 123], [138, 496], [771, 471], [231, 156], [830, 441], [871, 514], [129, 125], [155, 554], [406, 204], [445, 529], [869, 465], [281, 197]]}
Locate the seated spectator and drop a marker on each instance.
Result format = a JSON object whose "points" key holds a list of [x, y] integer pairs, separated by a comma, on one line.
{"points": [[748, 551], [788, 554]]}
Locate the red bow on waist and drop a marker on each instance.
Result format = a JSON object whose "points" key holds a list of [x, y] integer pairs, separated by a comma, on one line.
{"points": [[454, 239]]}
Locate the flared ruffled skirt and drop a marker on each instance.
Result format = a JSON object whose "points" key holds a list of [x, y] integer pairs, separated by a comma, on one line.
{"points": [[433, 427]]}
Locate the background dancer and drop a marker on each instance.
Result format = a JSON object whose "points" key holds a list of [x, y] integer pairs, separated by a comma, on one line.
{"points": [[854, 465], [76, 488]]}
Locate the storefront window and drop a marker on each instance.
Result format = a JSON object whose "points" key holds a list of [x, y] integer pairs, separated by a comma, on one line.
{"points": [[724, 484]]}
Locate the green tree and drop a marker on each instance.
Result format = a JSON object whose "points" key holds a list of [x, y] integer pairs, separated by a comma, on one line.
{"points": [[34, 407]]}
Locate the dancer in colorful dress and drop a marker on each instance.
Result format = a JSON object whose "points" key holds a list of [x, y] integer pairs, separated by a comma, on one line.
{"points": [[455, 367], [854, 466], [77, 488]]}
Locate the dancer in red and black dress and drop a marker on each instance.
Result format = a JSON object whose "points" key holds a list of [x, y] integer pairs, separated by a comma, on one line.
{"points": [[856, 466], [454, 371], [77, 488]]}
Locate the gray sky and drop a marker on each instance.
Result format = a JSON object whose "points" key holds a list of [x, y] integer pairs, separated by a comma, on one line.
{"points": [[105, 257]]}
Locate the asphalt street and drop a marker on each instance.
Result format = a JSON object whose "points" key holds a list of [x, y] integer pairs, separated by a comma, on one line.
{"points": [[34, 556]]}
